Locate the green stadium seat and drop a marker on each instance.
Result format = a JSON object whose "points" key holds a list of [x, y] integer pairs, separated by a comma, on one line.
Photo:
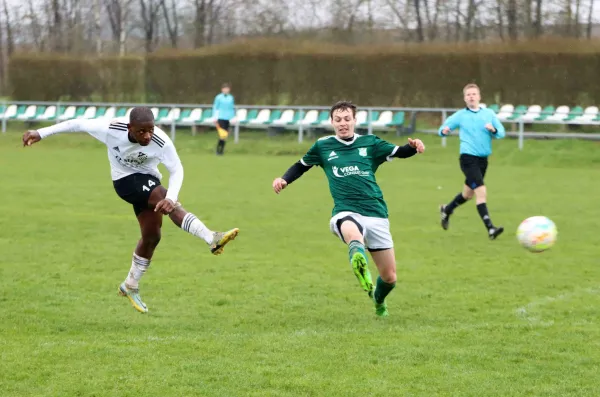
{"points": [[39, 112], [275, 115], [252, 113], [575, 112], [296, 119], [68, 113], [546, 112], [110, 113], [494, 107], [323, 117], [365, 122], [519, 111], [100, 112], [398, 120], [207, 118], [185, 113], [589, 114], [121, 112], [88, 112], [161, 114], [172, 115]]}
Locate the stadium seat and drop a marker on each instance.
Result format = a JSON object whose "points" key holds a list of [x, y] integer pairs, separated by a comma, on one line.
{"points": [[589, 114], [100, 112], [251, 115], [296, 119], [88, 113], [361, 118], [160, 114], [519, 111], [193, 117], [39, 111], [310, 117], [240, 116], [562, 112], [533, 112], [575, 112], [285, 118], [398, 120], [384, 119], [505, 112], [323, 115], [121, 112], [183, 114], [494, 107], [28, 114], [546, 112], [261, 118], [110, 113], [365, 123], [207, 118], [11, 112], [172, 115], [275, 115]]}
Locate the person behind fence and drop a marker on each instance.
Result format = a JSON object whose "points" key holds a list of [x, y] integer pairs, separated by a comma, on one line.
{"points": [[478, 126], [360, 215], [135, 148], [223, 112]]}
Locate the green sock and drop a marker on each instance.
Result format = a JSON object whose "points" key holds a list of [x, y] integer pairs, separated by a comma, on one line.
{"points": [[356, 246], [382, 290]]}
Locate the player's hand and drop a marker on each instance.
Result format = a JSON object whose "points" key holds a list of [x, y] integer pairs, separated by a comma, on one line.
{"points": [[279, 184], [490, 127], [417, 144], [31, 137], [165, 206], [446, 130]]}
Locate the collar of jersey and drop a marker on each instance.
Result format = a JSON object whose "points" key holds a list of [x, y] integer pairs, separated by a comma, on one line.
{"points": [[347, 142]]}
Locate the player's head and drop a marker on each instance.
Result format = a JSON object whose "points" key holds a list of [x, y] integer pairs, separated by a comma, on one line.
{"points": [[141, 125], [225, 88], [472, 95], [343, 118]]}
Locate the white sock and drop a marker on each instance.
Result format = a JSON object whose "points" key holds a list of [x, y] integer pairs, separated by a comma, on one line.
{"points": [[194, 226], [139, 266]]}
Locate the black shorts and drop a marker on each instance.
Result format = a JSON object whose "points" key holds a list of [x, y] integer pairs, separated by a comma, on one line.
{"points": [[474, 168], [136, 189], [223, 124]]}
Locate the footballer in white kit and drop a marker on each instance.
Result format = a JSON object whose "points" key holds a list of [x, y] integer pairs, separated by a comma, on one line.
{"points": [[135, 148]]}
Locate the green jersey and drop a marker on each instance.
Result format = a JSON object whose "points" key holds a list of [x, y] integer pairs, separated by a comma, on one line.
{"points": [[350, 169]]}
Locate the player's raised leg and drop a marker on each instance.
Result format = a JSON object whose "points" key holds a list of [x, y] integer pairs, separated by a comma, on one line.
{"points": [[448, 209], [385, 260], [351, 232], [481, 200], [150, 226], [191, 224]]}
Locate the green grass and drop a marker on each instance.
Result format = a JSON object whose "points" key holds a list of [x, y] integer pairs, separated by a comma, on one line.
{"points": [[280, 313]]}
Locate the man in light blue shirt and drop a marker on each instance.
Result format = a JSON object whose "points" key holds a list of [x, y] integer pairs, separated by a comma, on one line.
{"points": [[478, 126], [223, 112]]}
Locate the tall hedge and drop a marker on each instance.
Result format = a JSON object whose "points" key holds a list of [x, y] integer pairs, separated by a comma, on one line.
{"points": [[299, 76]]}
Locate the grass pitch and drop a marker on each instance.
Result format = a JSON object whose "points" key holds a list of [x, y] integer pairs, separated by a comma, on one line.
{"points": [[280, 313]]}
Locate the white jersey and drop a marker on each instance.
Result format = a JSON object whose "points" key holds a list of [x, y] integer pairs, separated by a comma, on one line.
{"points": [[127, 157]]}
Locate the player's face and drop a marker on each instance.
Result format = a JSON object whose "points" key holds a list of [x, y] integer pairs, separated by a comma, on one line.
{"points": [[142, 132], [472, 97], [343, 122], [225, 90]]}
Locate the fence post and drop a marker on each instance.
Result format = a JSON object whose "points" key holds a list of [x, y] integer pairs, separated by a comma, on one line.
{"points": [[300, 126], [5, 104], [236, 130], [370, 120], [443, 120], [521, 128], [172, 125]]}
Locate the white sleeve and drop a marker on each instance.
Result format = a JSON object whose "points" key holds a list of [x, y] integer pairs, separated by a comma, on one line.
{"points": [[173, 163], [96, 128]]}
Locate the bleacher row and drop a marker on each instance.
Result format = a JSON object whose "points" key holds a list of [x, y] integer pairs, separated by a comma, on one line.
{"points": [[285, 118]]}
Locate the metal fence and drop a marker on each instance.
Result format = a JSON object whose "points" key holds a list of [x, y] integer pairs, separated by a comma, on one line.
{"points": [[517, 131]]}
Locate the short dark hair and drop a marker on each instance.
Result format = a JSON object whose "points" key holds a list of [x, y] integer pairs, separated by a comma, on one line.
{"points": [[141, 114], [343, 105], [226, 85]]}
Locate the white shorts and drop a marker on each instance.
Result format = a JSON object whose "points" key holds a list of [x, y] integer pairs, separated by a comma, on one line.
{"points": [[376, 231]]}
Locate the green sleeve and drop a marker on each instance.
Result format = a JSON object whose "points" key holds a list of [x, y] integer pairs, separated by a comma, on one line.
{"points": [[313, 156], [383, 150]]}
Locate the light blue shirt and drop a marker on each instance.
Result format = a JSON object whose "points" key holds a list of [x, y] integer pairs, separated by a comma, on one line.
{"points": [[475, 139], [224, 107]]}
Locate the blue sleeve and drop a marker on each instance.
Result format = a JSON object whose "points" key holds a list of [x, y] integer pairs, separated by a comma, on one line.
{"points": [[500, 131], [452, 122], [216, 106]]}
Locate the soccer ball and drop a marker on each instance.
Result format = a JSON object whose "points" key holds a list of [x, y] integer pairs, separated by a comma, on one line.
{"points": [[537, 233]]}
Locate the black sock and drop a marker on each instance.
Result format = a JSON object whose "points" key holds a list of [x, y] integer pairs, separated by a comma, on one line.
{"points": [[220, 146], [485, 216], [458, 200]]}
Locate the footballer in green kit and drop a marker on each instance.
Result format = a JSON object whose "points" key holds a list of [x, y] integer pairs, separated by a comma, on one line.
{"points": [[360, 214]]}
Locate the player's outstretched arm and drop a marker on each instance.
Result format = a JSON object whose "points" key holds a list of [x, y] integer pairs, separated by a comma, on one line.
{"points": [[96, 128], [293, 173]]}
